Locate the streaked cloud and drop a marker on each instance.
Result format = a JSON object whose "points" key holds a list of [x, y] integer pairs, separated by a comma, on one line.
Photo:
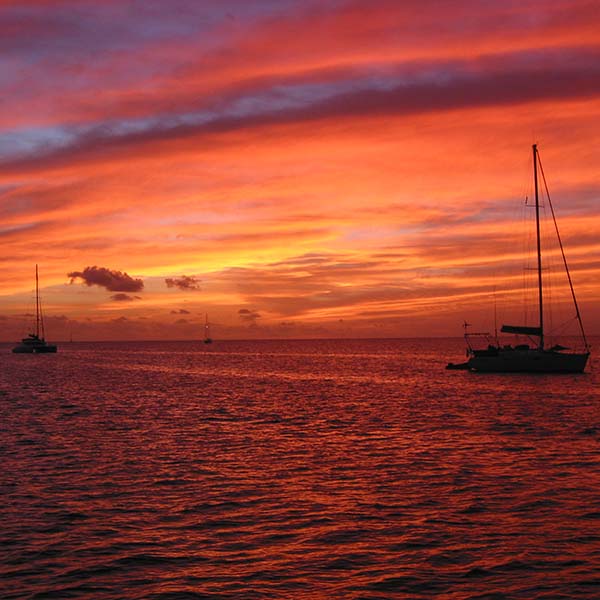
{"points": [[122, 297], [358, 177], [249, 316]]}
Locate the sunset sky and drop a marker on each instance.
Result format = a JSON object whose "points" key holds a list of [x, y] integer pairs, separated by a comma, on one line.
{"points": [[292, 168]]}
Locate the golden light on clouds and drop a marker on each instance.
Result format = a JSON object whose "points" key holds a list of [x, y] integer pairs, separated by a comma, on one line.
{"points": [[324, 167]]}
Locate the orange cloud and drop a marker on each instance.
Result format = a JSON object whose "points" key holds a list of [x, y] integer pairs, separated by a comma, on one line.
{"points": [[367, 170]]}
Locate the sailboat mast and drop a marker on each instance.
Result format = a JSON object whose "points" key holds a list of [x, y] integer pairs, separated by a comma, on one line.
{"points": [[37, 303], [539, 246]]}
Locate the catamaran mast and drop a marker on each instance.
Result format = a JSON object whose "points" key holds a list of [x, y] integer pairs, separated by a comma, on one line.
{"points": [[539, 246]]}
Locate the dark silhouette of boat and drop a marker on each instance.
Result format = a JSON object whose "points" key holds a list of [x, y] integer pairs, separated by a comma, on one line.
{"points": [[33, 343], [534, 358], [207, 338]]}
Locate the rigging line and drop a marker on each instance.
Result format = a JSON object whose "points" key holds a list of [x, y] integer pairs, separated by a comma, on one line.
{"points": [[562, 251], [549, 281], [42, 321]]}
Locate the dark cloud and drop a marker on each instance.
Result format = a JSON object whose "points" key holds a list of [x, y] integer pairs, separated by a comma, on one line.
{"points": [[185, 282], [113, 281], [180, 311], [247, 315], [122, 297], [498, 80]]}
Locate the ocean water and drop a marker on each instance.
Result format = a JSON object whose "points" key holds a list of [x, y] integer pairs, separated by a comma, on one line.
{"points": [[294, 469]]}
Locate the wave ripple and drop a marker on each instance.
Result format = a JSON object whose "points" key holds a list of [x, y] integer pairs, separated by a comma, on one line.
{"points": [[307, 469]]}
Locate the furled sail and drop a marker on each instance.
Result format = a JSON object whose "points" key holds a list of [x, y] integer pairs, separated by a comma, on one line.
{"points": [[521, 329]]}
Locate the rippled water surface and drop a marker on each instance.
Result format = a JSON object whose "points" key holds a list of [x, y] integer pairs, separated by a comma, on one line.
{"points": [[300, 469]]}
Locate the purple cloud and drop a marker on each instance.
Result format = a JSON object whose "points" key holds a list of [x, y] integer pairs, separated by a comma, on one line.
{"points": [[247, 315], [185, 282], [122, 297], [113, 281], [428, 86]]}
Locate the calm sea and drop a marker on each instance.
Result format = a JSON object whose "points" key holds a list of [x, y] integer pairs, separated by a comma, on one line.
{"points": [[294, 469]]}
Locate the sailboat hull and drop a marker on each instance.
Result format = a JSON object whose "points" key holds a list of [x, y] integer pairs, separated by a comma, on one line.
{"points": [[527, 361], [31, 349]]}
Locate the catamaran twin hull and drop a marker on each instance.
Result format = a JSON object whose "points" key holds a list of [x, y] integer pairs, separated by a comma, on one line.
{"points": [[29, 350], [33, 346]]}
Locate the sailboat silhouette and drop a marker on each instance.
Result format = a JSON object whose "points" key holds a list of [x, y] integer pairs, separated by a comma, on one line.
{"points": [[33, 343], [523, 358], [207, 338]]}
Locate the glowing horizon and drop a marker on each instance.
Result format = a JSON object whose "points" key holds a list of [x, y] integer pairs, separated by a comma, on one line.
{"points": [[295, 169]]}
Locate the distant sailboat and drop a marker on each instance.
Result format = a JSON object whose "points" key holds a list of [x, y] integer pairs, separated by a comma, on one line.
{"points": [[33, 343], [207, 338], [523, 358]]}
